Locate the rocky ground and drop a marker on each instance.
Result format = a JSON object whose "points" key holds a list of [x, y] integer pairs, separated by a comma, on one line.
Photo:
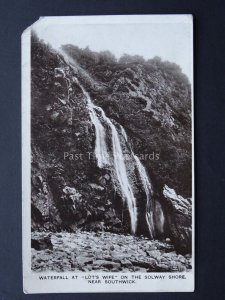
{"points": [[104, 252]]}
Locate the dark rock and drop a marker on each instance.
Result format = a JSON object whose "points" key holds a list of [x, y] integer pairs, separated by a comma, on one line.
{"points": [[36, 215], [126, 263], [95, 226], [138, 263], [42, 244], [162, 268], [144, 264], [179, 220]]}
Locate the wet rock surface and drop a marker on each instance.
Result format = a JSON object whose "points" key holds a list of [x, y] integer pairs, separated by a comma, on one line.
{"points": [[106, 252]]}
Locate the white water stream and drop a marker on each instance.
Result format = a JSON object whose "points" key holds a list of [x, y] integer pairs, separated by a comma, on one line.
{"points": [[102, 155], [100, 120], [147, 188]]}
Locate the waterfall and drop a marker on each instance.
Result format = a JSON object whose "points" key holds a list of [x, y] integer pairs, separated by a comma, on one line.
{"points": [[147, 188], [101, 152], [121, 173], [99, 119], [148, 191], [102, 156]]}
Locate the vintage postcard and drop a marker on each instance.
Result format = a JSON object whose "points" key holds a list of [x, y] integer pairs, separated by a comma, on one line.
{"points": [[107, 149]]}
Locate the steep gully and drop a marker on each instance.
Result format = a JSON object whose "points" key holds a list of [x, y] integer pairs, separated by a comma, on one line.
{"points": [[111, 156]]}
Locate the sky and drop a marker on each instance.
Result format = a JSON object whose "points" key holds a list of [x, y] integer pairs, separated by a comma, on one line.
{"points": [[168, 36]]}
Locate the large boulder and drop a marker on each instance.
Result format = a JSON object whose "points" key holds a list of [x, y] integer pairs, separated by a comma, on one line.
{"points": [[179, 220], [42, 243]]}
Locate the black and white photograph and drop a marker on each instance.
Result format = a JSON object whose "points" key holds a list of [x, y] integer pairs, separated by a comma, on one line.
{"points": [[108, 166]]}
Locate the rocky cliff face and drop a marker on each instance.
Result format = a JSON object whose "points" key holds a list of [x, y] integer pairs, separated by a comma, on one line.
{"points": [[179, 219], [150, 100]]}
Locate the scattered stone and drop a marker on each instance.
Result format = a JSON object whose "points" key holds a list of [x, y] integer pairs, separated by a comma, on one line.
{"points": [[42, 244], [106, 176], [126, 263], [101, 208], [107, 264], [83, 260], [154, 253], [103, 252], [163, 267], [96, 186]]}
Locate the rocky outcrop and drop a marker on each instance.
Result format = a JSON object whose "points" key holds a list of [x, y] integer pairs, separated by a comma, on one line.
{"points": [[179, 220], [42, 243], [150, 99], [104, 251]]}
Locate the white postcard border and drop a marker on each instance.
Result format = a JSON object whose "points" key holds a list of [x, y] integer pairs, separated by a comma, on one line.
{"points": [[67, 284]]}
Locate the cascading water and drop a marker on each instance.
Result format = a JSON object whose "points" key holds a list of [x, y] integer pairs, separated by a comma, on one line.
{"points": [[102, 156], [147, 188], [98, 118], [148, 191], [121, 172], [101, 152]]}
